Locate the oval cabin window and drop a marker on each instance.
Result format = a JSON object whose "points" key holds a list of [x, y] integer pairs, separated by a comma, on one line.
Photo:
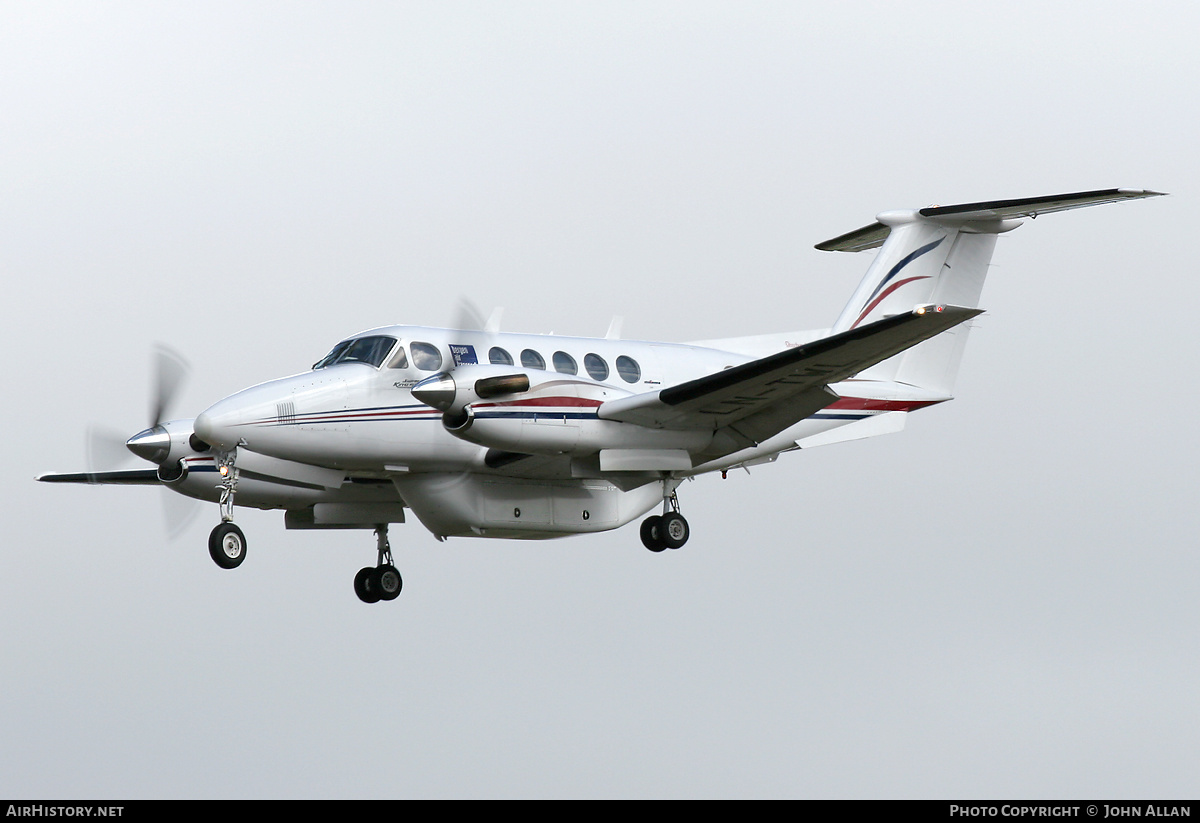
{"points": [[532, 360], [629, 370], [596, 367]]}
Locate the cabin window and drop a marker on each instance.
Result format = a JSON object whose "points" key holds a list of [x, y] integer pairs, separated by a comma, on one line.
{"points": [[399, 359], [425, 356], [499, 357], [371, 350], [565, 363], [596, 367], [532, 360], [629, 370]]}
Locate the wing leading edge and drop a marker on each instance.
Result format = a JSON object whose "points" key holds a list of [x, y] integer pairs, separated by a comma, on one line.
{"points": [[759, 399], [129, 477]]}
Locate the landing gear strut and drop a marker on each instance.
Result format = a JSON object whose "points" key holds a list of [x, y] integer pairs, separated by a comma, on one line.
{"points": [[382, 582], [668, 530], [226, 543]]}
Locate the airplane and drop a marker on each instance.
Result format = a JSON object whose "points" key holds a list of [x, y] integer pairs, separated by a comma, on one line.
{"points": [[483, 433]]}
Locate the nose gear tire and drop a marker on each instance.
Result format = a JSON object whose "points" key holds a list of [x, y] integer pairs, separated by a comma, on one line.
{"points": [[227, 545]]}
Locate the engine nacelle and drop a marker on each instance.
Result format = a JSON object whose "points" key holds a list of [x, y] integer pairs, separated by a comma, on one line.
{"points": [[451, 392], [559, 430], [529, 411]]}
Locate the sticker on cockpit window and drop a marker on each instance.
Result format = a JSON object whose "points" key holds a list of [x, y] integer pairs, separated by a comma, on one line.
{"points": [[463, 355]]}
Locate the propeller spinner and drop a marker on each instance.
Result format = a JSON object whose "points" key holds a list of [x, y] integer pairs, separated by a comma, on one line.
{"points": [[154, 443]]}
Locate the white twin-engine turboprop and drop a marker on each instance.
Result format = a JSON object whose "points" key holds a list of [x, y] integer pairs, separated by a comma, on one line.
{"points": [[488, 434]]}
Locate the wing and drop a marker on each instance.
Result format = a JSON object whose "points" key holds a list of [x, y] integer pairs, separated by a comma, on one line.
{"points": [[756, 400], [131, 477]]}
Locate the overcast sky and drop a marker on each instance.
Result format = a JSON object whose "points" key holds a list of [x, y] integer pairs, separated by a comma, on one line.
{"points": [[999, 601]]}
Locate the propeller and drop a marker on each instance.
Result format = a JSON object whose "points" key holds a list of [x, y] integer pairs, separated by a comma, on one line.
{"points": [[105, 449], [467, 316], [170, 369], [442, 392], [178, 512], [110, 450]]}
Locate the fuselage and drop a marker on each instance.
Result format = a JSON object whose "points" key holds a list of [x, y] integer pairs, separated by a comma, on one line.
{"points": [[359, 414], [428, 412]]}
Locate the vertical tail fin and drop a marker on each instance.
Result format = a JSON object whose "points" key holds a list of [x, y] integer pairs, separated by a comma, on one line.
{"points": [[938, 254]]}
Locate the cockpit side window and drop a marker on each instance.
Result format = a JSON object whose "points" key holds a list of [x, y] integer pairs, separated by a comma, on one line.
{"points": [[370, 350], [399, 359]]}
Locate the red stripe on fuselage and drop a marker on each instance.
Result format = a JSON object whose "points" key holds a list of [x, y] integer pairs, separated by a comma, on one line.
{"points": [[542, 401]]}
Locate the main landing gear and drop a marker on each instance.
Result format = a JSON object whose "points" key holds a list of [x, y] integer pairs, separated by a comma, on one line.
{"points": [[668, 530], [382, 582]]}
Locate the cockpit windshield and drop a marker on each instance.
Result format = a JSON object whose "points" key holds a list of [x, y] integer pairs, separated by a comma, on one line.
{"points": [[371, 350]]}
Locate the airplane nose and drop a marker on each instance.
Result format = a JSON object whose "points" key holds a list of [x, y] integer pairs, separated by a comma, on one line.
{"points": [[206, 427], [220, 424], [261, 416], [226, 423], [153, 444]]}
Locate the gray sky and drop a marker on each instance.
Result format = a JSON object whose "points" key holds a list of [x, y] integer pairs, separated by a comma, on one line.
{"points": [[999, 601]]}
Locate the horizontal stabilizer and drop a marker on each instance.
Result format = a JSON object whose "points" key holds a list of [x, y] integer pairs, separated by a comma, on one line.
{"points": [[1033, 206], [872, 236], [868, 237]]}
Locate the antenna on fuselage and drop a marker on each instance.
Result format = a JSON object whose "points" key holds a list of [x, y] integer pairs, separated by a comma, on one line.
{"points": [[614, 328]]}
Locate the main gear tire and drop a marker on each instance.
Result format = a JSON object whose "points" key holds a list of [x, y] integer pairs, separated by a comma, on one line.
{"points": [[652, 533]]}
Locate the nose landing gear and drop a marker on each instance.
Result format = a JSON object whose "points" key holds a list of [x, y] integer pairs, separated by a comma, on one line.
{"points": [[226, 543], [227, 546], [383, 582]]}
